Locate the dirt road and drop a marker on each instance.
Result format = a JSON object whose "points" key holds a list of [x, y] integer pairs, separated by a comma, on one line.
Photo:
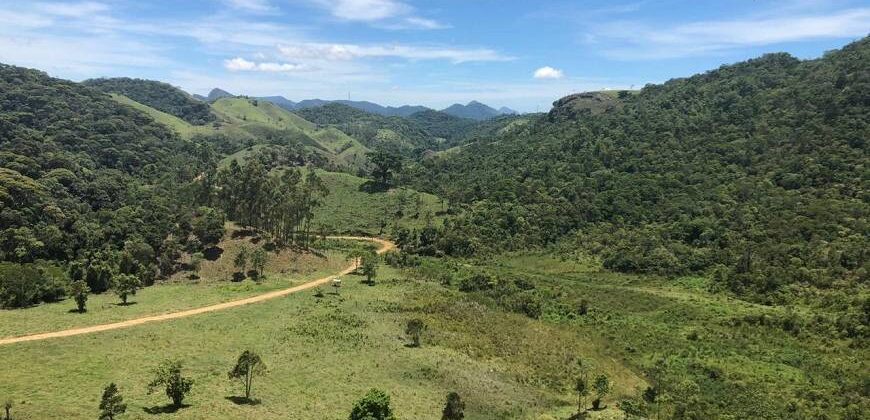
{"points": [[385, 246]]}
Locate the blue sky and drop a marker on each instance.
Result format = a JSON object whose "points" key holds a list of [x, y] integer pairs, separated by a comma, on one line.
{"points": [[521, 54]]}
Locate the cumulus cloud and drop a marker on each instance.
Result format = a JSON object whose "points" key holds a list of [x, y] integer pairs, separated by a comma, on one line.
{"points": [[333, 52], [548, 72], [240, 64]]}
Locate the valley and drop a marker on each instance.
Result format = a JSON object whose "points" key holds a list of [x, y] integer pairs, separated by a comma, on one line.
{"points": [[693, 249]]}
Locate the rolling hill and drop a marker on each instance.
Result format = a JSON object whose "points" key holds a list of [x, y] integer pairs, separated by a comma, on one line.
{"points": [[158, 95]]}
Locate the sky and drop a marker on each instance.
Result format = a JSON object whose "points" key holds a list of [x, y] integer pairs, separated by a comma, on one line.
{"points": [[520, 54]]}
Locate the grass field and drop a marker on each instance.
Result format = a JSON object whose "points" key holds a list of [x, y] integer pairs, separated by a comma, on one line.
{"points": [[350, 209], [285, 269], [710, 352], [322, 354], [325, 352]]}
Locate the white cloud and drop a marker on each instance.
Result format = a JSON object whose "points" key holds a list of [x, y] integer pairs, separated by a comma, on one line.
{"points": [[366, 10], [333, 52], [387, 14], [240, 64], [634, 40], [548, 72], [77, 9], [258, 6]]}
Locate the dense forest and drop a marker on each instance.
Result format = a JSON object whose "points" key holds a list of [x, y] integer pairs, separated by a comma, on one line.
{"points": [[93, 190], [158, 95], [754, 173]]}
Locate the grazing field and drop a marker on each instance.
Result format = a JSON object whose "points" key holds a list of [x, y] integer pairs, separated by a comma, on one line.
{"points": [[711, 352], [322, 354], [284, 269], [350, 209]]}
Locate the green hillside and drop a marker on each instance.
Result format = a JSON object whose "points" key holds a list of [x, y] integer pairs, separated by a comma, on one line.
{"points": [[241, 111], [350, 209], [244, 126], [158, 95]]}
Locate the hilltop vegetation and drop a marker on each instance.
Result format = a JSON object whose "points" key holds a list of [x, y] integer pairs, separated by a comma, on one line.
{"points": [[754, 172], [158, 95]]}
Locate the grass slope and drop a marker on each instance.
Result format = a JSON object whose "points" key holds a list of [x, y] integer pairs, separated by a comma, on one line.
{"points": [[283, 270], [349, 209], [253, 119], [322, 354]]}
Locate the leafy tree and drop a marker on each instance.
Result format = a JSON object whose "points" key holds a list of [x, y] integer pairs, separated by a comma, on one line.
{"points": [[602, 388], [196, 262], [454, 408], [375, 405], [258, 261], [414, 329], [368, 263], [247, 367], [175, 385], [241, 259], [126, 285], [79, 290], [112, 403], [386, 166], [208, 225]]}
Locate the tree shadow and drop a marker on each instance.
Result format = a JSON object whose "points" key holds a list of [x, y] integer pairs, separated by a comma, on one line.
{"points": [[77, 311], [237, 400], [238, 276], [165, 409], [373, 187], [126, 304], [212, 253], [411, 346], [242, 233]]}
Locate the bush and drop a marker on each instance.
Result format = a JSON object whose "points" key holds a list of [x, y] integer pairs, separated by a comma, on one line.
{"points": [[375, 405], [28, 284]]}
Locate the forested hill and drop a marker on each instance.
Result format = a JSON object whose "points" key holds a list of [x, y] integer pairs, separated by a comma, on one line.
{"points": [[158, 95], [755, 172], [80, 173]]}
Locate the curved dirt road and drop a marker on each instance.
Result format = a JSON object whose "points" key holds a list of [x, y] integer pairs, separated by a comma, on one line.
{"points": [[385, 246]]}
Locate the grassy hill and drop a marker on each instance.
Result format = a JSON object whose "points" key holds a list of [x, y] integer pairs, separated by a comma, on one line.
{"points": [[158, 95], [350, 209], [254, 123]]}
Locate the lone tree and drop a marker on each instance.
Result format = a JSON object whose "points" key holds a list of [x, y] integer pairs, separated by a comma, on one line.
{"points": [[248, 366], [258, 261], [414, 329], [196, 263], [368, 264], [168, 376], [582, 389], [454, 408], [602, 388], [386, 166], [375, 405], [126, 285], [79, 290], [112, 403], [241, 260]]}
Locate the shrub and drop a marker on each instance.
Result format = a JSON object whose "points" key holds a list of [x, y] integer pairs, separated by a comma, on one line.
{"points": [[375, 405]]}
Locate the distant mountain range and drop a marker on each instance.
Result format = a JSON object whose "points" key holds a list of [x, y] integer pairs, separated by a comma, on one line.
{"points": [[474, 110]]}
